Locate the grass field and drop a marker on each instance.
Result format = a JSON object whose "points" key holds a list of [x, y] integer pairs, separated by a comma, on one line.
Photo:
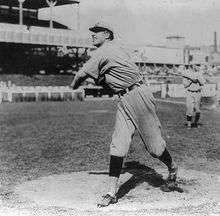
{"points": [[40, 139]]}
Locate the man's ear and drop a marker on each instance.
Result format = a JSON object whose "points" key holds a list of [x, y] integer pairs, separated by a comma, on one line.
{"points": [[107, 35]]}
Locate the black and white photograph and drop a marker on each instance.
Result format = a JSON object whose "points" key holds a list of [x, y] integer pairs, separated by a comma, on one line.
{"points": [[109, 108]]}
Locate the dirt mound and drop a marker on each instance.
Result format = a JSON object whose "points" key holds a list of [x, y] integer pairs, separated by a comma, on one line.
{"points": [[140, 191]]}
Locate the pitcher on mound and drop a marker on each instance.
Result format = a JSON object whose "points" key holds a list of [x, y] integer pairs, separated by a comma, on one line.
{"points": [[112, 67]]}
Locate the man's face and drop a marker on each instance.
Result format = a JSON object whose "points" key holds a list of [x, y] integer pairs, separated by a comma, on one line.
{"points": [[99, 38], [195, 68]]}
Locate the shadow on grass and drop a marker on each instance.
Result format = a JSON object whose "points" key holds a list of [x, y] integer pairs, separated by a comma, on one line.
{"points": [[140, 174], [194, 125]]}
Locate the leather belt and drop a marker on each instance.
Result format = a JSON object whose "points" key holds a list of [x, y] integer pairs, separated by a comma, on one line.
{"points": [[130, 88], [194, 90]]}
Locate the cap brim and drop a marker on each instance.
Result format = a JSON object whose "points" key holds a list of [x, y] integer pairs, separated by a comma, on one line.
{"points": [[98, 29]]}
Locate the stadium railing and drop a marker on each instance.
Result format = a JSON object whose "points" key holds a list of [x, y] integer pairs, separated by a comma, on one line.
{"points": [[39, 93], [64, 93]]}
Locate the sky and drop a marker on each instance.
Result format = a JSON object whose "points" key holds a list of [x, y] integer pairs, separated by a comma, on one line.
{"points": [[149, 21]]}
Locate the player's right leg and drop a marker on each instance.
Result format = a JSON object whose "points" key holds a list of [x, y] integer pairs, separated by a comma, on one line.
{"points": [[172, 168], [197, 110], [189, 121], [143, 114], [156, 146], [189, 109]]}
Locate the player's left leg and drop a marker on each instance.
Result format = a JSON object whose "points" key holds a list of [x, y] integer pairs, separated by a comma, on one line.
{"points": [[196, 121], [115, 167], [121, 139]]}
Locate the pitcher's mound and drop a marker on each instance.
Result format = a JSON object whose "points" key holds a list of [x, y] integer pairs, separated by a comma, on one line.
{"points": [[140, 189]]}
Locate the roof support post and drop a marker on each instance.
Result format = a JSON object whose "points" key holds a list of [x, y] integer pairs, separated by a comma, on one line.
{"points": [[51, 4], [78, 17], [21, 12]]}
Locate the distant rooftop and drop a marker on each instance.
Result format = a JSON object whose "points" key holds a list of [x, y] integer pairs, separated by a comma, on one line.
{"points": [[175, 37]]}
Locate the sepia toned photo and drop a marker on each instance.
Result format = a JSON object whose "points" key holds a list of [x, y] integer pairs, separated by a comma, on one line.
{"points": [[109, 108]]}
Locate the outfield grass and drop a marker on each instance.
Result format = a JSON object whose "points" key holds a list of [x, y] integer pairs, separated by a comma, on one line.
{"points": [[40, 139]]}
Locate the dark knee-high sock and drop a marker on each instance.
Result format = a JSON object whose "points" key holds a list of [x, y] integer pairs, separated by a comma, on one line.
{"points": [[166, 158], [197, 117], [115, 166], [189, 118]]}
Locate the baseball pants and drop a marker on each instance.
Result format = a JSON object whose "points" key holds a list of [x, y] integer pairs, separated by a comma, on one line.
{"points": [[193, 100], [136, 110]]}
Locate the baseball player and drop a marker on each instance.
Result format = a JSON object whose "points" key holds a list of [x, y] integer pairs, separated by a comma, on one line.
{"points": [[111, 66], [193, 83]]}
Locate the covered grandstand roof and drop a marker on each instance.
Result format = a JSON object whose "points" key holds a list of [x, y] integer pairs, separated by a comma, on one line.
{"points": [[34, 30], [29, 21], [35, 4], [39, 35]]}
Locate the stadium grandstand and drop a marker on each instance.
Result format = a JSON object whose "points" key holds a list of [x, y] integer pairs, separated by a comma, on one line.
{"points": [[40, 56], [29, 45]]}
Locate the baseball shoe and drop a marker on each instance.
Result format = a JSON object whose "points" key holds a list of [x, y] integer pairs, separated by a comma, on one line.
{"points": [[171, 183], [195, 125], [188, 125], [107, 200]]}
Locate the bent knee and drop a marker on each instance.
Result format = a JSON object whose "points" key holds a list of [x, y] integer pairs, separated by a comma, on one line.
{"points": [[157, 149], [119, 149]]}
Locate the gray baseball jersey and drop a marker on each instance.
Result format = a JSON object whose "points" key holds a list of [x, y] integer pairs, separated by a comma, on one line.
{"points": [[136, 108]]}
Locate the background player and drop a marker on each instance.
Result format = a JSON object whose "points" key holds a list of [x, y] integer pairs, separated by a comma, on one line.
{"points": [[193, 83], [112, 67]]}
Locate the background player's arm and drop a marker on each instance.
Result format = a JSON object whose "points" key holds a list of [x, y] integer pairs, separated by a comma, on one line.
{"points": [[186, 82], [184, 75], [201, 80]]}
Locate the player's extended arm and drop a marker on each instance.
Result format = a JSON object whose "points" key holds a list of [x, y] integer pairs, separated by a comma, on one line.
{"points": [[78, 79]]}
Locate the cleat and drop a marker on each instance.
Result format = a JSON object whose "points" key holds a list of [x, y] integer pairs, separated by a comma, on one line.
{"points": [[195, 125], [107, 200], [171, 183], [189, 125], [172, 173]]}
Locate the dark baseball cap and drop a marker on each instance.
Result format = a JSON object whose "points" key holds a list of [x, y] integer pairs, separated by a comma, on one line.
{"points": [[101, 26]]}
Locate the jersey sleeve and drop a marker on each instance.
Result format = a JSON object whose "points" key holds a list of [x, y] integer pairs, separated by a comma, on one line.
{"points": [[201, 79], [187, 73], [186, 82], [92, 66]]}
